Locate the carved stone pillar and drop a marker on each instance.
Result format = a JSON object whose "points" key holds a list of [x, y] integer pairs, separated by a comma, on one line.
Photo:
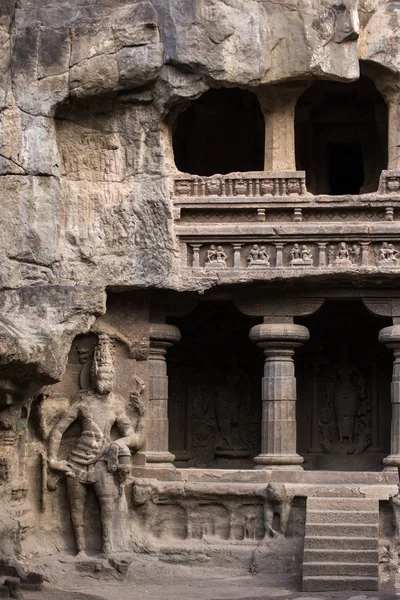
{"points": [[278, 433], [162, 336], [391, 337], [393, 100], [390, 90], [278, 105]]}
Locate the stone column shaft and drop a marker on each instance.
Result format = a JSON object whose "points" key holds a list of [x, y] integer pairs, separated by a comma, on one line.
{"points": [[394, 132], [278, 425], [391, 337], [162, 336], [278, 105]]}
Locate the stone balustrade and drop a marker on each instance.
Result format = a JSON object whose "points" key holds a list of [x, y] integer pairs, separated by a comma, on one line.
{"points": [[247, 185]]}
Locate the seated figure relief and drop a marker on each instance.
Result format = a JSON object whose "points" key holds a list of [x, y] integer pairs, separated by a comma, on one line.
{"points": [[216, 257], [258, 256], [301, 256], [388, 255], [96, 459]]}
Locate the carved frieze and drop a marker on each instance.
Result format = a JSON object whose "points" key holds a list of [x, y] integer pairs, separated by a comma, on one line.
{"points": [[319, 254], [216, 512]]}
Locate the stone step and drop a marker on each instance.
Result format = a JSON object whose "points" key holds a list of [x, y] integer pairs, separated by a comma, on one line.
{"points": [[337, 583], [346, 556], [370, 517], [342, 503], [341, 529], [324, 542], [340, 568]]}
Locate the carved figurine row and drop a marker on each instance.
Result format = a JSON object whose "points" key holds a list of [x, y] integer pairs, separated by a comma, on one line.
{"points": [[341, 255], [264, 517]]}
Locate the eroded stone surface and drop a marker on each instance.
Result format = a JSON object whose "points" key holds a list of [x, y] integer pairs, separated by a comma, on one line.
{"points": [[103, 238]]}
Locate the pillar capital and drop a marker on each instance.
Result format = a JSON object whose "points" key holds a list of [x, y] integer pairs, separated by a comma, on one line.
{"points": [[278, 104], [279, 335], [272, 96], [164, 335], [390, 336]]}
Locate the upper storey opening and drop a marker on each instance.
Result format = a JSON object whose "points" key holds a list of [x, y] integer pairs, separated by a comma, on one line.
{"points": [[341, 137], [221, 132]]}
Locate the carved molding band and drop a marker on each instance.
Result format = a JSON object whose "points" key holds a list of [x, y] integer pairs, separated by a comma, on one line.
{"points": [[244, 184]]}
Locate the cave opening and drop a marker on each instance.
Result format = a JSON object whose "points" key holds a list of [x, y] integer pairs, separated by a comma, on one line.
{"points": [[341, 137], [223, 132]]}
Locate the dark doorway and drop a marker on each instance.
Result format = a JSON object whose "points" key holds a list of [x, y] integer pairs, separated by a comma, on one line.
{"points": [[346, 168], [214, 375], [341, 137], [343, 377], [221, 132]]}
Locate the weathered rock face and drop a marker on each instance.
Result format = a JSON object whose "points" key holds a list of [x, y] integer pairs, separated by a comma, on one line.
{"points": [[93, 201], [84, 90]]}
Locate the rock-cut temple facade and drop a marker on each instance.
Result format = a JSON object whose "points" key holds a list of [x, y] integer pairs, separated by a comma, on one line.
{"points": [[200, 282]]}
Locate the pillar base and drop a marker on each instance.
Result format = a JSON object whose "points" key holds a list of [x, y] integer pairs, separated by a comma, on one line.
{"points": [[279, 461], [393, 460], [159, 459]]}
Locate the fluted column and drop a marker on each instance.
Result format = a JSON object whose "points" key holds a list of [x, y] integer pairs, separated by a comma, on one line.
{"points": [[162, 337], [278, 425], [391, 337]]}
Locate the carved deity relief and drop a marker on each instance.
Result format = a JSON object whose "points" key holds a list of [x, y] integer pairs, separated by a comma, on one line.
{"points": [[96, 459], [258, 257], [388, 256], [344, 418], [216, 257], [343, 256], [231, 399], [301, 256]]}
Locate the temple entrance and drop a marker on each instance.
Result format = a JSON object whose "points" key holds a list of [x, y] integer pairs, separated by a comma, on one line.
{"points": [[343, 377], [341, 137], [221, 132], [215, 389]]}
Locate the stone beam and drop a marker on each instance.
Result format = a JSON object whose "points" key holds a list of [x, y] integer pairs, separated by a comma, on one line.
{"points": [[278, 309]]}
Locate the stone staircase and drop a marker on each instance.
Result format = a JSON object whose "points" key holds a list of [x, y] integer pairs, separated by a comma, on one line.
{"points": [[341, 544]]}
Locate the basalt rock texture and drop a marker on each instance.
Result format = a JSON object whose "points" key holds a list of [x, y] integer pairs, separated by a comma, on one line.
{"points": [[115, 221]]}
